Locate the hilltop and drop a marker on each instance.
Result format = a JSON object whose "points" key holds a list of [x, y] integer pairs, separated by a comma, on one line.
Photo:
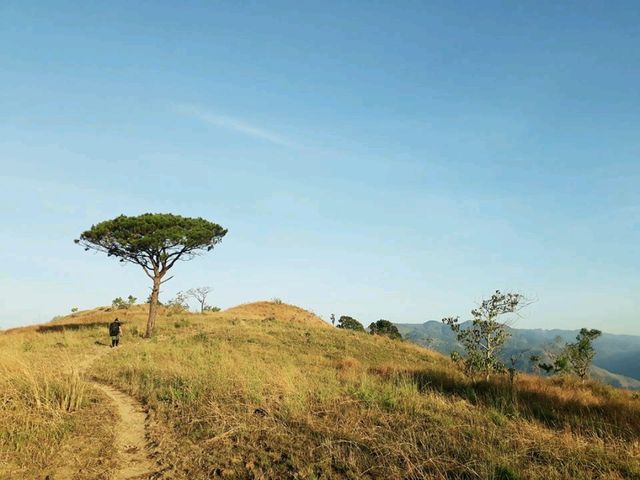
{"points": [[270, 391], [272, 310]]}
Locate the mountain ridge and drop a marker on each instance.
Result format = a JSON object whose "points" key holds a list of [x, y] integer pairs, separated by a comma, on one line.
{"points": [[616, 354]]}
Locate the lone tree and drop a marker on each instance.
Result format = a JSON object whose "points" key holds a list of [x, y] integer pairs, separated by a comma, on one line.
{"points": [[347, 323], [581, 352], [484, 339], [200, 296], [385, 327], [575, 357], [154, 241]]}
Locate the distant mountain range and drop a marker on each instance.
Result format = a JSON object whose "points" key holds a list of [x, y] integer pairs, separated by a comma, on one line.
{"points": [[617, 360]]}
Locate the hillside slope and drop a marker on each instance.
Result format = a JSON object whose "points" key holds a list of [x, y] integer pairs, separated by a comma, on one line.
{"points": [[605, 376], [270, 392]]}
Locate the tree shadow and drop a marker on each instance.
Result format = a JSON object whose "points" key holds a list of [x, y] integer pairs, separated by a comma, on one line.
{"points": [[70, 326], [554, 404]]}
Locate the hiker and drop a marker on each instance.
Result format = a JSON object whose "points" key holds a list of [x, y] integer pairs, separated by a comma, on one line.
{"points": [[115, 330]]}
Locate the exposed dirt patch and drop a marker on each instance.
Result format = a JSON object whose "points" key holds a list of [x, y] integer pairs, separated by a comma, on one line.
{"points": [[131, 444]]}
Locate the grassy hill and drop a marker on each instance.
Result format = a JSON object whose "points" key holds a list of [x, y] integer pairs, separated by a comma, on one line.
{"points": [[269, 391]]}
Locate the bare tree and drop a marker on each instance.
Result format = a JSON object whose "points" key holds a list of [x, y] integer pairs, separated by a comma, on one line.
{"points": [[200, 296]]}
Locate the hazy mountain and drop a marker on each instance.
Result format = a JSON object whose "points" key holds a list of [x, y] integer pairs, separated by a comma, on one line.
{"points": [[617, 356], [614, 379]]}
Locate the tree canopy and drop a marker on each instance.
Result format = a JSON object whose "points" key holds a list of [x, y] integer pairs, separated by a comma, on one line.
{"points": [[574, 357], [349, 323], [155, 242], [386, 328]]}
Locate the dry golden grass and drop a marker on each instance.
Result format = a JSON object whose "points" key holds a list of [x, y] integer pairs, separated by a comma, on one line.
{"points": [[271, 310], [266, 391], [48, 412]]}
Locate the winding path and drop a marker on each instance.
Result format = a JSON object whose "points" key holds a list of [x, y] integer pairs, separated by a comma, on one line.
{"points": [[130, 436], [133, 459]]}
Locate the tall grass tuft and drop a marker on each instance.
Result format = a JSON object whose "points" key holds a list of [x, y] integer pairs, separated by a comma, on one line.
{"points": [[29, 386], [47, 410]]}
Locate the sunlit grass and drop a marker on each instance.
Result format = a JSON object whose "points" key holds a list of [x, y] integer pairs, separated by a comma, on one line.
{"points": [[269, 392], [47, 410]]}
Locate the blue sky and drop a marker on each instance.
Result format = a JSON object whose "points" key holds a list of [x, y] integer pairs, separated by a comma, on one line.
{"points": [[395, 160]]}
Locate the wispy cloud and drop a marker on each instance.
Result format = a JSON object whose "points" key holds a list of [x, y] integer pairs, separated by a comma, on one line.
{"points": [[231, 123]]}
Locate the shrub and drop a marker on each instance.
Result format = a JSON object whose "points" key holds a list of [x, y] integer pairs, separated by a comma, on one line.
{"points": [[386, 328], [574, 358], [181, 323], [581, 352], [348, 323], [178, 303], [119, 304]]}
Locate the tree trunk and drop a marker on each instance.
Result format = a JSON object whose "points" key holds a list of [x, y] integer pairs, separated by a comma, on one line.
{"points": [[488, 357], [153, 306]]}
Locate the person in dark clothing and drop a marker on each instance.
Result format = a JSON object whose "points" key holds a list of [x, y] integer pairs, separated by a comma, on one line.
{"points": [[115, 330]]}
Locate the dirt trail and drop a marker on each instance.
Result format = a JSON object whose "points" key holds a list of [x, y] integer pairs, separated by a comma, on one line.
{"points": [[133, 458], [130, 436]]}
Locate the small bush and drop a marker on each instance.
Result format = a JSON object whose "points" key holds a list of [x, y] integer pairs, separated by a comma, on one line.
{"points": [[386, 328], [181, 323], [201, 337], [277, 301], [348, 323], [119, 304], [178, 304]]}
